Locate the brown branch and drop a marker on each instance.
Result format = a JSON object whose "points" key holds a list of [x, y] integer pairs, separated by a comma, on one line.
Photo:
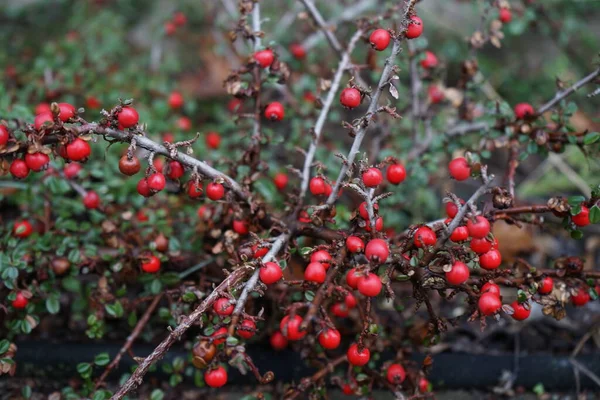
{"points": [[307, 382], [561, 94], [139, 327], [136, 378]]}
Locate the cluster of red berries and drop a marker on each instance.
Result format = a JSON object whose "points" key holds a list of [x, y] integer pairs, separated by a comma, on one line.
{"points": [[179, 19]]}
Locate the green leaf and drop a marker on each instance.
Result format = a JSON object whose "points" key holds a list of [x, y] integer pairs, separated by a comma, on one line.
{"points": [[102, 359], [170, 278], [595, 214], [189, 297], [52, 305], [232, 341], [71, 284], [4, 345], [26, 391], [305, 251], [114, 310], [155, 286], [309, 295], [84, 369], [538, 389], [157, 394], [576, 234], [591, 137], [575, 200]]}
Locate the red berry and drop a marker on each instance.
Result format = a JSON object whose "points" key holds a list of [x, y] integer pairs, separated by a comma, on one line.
{"points": [[581, 219], [22, 229], [42, 108], [170, 28], [215, 191], [19, 169], [362, 209], [396, 173], [20, 301], [490, 260], [249, 332], [489, 304], [128, 117], [194, 189], [581, 297], [129, 167], [340, 310], [459, 273], [380, 39], [92, 102], [213, 140], [317, 186], [354, 244], [216, 378], [143, 188], [222, 306], [304, 217], [459, 169], [315, 272], [480, 245], [350, 300], [436, 95], [521, 312], [429, 61], [377, 250], [219, 332], [67, 111], [270, 273], [4, 135], [546, 285], [424, 385], [352, 278], [179, 18], [36, 161], [175, 170], [321, 256], [330, 339], [452, 209], [372, 177], [356, 357], [290, 327], [151, 265], [91, 200], [274, 111], [396, 374], [71, 170], [240, 227], [175, 100], [234, 104], [78, 150], [480, 228], [297, 51], [505, 15], [347, 389], [141, 216], [424, 236], [184, 123], [460, 234], [415, 28], [259, 252], [491, 287], [350, 98], [278, 341], [264, 57], [378, 224], [370, 285], [524, 110], [280, 180], [156, 182], [41, 119]]}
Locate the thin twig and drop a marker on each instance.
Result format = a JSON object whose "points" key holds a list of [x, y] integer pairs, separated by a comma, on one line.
{"points": [[561, 94]]}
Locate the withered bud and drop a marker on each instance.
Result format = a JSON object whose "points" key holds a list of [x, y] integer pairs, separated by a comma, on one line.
{"points": [[60, 265], [162, 243], [541, 138], [502, 198], [571, 265], [559, 206], [203, 353]]}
